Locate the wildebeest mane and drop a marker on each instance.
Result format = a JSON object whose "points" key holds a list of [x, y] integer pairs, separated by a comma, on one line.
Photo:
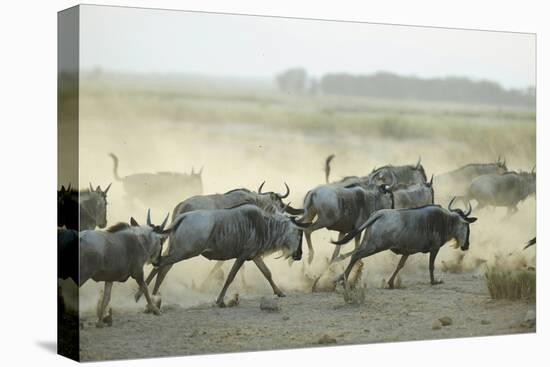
{"points": [[238, 205], [234, 190], [120, 226]]}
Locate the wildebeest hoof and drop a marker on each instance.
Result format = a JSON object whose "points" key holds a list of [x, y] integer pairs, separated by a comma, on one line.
{"points": [[99, 324], [136, 296], [220, 304], [156, 311], [280, 294], [390, 286], [436, 282]]}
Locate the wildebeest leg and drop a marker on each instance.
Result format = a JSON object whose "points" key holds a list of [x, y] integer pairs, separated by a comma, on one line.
{"points": [[145, 291], [104, 303], [433, 254], [309, 247], [243, 279], [160, 277], [267, 274], [399, 266], [336, 251], [236, 266], [150, 277]]}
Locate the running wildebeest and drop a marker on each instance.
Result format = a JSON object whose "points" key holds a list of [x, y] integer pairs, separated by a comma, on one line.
{"points": [[413, 196], [244, 232], [159, 188], [409, 231], [268, 201], [504, 190], [531, 242], [91, 204], [407, 174], [67, 254], [119, 253], [342, 209], [456, 182]]}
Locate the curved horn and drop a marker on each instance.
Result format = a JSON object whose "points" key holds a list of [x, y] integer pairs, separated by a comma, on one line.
{"points": [[431, 181], [91, 187], [285, 207], [260, 188], [298, 224], [498, 160], [200, 172], [418, 163], [164, 222], [469, 209], [69, 187], [149, 217], [393, 181], [451, 203], [107, 189], [532, 170], [286, 194]]}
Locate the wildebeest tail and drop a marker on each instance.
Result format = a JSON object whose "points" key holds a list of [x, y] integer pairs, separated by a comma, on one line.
{"points": [[115, 167], [175, 224], [531, 242], [348, 237], [327, 166]]}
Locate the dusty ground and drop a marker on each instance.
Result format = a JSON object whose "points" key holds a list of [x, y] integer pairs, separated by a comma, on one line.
{"points": [[304, 318]]}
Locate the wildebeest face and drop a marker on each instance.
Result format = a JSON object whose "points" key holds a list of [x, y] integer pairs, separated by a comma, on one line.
{"points": [[463, 233]]}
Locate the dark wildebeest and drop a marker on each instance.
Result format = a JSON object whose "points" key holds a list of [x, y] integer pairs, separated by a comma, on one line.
{"points": [[159, 188], [342, 209], [409, 231], [244, 232], [531, 242], [504, 190], [67, 254], [456, 182], [413, 196], [408, 174], [119, 253], [268, 201], [91, 204]]}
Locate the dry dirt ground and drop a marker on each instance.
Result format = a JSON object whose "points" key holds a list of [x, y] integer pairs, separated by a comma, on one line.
{"points": [[308, 320]]}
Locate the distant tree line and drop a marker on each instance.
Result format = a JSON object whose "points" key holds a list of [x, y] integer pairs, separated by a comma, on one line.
{"points": [[393, 86]]}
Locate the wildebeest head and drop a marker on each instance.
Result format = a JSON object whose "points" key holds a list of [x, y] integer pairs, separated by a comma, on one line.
{"points": [[96, 205], [274, 202], [529, 181], [154, 237], [462, 225], [501, 165], [296, 237]]}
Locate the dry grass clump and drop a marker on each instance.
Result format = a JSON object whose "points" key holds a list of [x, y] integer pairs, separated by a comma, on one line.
{"points": [[516, 284]]}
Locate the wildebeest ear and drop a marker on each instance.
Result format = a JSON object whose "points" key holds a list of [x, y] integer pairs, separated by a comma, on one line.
{"points": [[133, 222], [471, 219]]}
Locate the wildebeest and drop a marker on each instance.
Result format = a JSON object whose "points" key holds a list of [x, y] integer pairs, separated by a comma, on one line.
{"points": [[409, 231], [413, 196], [502, 190], [342, 209], [119, 253], [407, 174], [244, 232], [67, 254], [456, 182], [91, 204], [268, 201], [159, 188]]}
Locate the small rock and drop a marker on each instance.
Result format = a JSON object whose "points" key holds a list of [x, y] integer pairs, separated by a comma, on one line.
{"points": [[485, 322], [530, 319], [193, 334], [269, 305], [446, 321], [286, 318], [366, 331], [326, 339], [436, 325], [234, 301]]}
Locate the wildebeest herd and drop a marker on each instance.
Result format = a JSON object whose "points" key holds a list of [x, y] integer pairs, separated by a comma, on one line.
{"points": [[392, 208]]}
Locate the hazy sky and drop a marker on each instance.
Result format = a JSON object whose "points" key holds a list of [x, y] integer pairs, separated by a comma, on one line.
{"points": [[139, 40]]}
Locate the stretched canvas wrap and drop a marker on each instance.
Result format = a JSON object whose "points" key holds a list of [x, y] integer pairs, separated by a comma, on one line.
{"points": [[232, 183]]}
